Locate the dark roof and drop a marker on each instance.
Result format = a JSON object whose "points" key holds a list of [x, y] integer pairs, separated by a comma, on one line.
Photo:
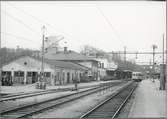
{"points": [[28, 62], [68, 65], [69, 56], [32, 62]]}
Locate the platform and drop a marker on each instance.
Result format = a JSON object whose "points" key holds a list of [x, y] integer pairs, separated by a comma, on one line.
{"points": [[149, 101]]}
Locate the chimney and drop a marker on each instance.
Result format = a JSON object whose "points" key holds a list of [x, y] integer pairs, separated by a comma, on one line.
{"points": [[65, 50]]}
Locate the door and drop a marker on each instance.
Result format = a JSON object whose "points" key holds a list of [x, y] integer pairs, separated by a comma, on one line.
{"points": [[34, 77], [68, 77]]}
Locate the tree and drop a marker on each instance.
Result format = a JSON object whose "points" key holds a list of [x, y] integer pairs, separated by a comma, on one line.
{"points": [[92, 51], [9, 54], [116, 58]]}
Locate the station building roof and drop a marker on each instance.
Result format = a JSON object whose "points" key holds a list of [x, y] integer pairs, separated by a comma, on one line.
{"points": [[25, 63], [69, 56], [63, 64], [29, 63]]}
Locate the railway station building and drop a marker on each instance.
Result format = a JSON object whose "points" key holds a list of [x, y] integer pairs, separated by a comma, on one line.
{"points": [[74, 57], [26, 70], [104, 65]]}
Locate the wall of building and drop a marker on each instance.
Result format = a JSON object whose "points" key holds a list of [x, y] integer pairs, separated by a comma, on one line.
{"points": [[20, 74], [103, 62], [86, 63], [93, 65], [102, 72], [24, 74], [65, 76]]}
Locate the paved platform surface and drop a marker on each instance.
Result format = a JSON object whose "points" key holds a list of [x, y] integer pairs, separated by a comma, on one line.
{"points": [[31, 87], [149, 101]]}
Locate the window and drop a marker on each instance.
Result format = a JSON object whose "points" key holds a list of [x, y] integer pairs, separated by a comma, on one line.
{"points": [[6, 73], [47, 74], [3, 73], [29, 74], [19, 74]]}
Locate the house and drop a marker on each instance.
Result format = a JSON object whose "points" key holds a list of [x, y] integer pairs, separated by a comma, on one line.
{"points": [[74, 57], [104, 65], [26, 70], [65, 72]]}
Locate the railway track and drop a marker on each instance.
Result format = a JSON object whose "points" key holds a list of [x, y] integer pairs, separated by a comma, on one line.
{"points": [[31, 94], [111, 107], [28, 110]]}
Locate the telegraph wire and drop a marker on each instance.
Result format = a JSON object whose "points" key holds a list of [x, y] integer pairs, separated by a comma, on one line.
{"points": [[20, 21], [108, 21], [37, 19], [16, 36]]}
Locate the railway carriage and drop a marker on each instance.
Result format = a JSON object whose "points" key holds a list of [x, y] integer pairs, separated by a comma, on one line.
{"points": [[137, 76], [118, 74]]}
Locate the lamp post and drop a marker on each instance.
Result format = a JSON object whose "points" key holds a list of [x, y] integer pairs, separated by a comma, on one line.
{"points": [[43, 38], [163, 68], [39, 84]]}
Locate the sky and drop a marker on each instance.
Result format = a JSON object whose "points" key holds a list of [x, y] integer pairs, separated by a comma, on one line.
{"points": [[107, 25]]}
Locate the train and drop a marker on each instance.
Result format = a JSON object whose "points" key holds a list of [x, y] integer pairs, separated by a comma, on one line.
{"points": [[137, 76], [123, 74], [117, 75]]}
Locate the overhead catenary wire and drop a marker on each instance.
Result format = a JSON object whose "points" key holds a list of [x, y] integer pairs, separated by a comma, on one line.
{"points": [[149, 62], [115, 52], [136, 52]]}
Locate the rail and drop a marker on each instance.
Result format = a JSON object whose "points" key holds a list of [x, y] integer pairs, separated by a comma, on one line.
{"points": [[27, 110], [31, 94], [111, 107]]}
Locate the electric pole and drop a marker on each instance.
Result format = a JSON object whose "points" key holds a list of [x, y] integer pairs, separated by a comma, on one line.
{"points": [[150, 69], [163, 50], [136, 55], [42, 66], [163, 68], [154, 47], [166, 63], [124, 53], [125, 59], [0, 65], [41, 82]]}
